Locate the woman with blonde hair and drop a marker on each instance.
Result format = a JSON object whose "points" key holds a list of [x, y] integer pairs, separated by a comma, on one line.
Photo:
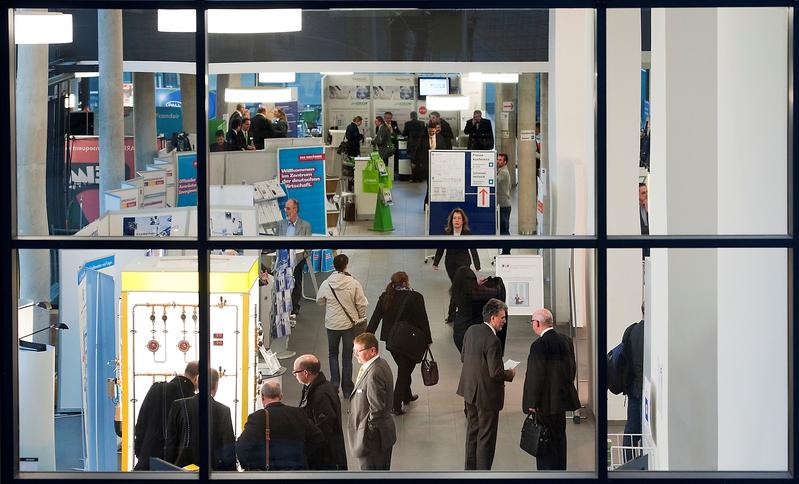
{"points": [[280, 125]]}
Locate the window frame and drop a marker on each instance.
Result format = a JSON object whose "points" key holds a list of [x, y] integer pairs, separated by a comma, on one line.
{"points": [[203, 244]]}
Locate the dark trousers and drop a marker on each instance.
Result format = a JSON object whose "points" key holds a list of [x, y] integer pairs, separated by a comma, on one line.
{"points": [[380, 460], [344, 376], [296, 291], [402, 389], [504, 224], [555, 456], [633, 426], [451, 267], [481, 437]]}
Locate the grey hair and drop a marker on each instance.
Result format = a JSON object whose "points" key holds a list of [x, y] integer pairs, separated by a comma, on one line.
{"points": [[271, 389], [492, 308]]}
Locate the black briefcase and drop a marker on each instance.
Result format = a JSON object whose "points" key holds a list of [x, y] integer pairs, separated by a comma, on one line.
{"points": [[535, 436]]}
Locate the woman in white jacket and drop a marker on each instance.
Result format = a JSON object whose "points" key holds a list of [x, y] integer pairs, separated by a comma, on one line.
{"points": [[345, 304]]}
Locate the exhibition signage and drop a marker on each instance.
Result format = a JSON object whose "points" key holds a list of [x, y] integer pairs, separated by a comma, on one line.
{"points": [[523, 276], [302, 173], [187, 179]]}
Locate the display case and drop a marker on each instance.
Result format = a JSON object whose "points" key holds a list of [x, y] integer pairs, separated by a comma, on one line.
{"points": [[160, 332]]}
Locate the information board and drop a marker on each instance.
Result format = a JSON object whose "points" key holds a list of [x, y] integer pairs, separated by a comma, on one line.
{"points": [[302, 173]]}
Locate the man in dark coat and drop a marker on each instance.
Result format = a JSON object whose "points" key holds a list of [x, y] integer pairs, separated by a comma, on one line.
{"points": [[261, 128], [291, 435], [183, 432], [235, 137], [433, 141], [481, 136], [414, 130], [446, 130], [482, 385], [633, 340], [322, 407], [549, 386], [150, 429]]}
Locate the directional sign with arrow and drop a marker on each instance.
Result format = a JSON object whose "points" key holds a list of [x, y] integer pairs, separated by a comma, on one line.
{"points": [[483, 197]]}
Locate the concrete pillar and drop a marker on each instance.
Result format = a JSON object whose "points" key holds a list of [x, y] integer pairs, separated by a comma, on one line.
{"points": [[525, 158], [625, 276], [31, 147], [188, 102], [222, 82], [144, 137], [112, 149], [703, 61]]}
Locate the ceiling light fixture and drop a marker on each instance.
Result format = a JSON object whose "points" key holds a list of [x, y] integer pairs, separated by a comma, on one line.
{"points": [[257, 95], [42, 28]]}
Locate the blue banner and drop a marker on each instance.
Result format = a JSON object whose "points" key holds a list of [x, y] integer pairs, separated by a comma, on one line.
{"points": [[168, 120], [187, 179], [302, 173], [98, 335]]}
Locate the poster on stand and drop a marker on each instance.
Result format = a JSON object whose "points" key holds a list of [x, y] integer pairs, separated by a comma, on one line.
{"points": [[302, 173], [523, 276], [396, 94], [187, 179]]}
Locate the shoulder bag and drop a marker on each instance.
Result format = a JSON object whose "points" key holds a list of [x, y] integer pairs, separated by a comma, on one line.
{"points": [[268, 436], [535, 436], [405, 338], [357, 327], [429, 369]]}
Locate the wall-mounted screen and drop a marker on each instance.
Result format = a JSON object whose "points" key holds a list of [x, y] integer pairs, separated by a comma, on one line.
{"points": [[433, 86]]}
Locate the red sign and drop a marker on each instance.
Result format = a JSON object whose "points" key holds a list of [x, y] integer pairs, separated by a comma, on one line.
{"points": [[483, 194], [422, 110], [314, 157]]}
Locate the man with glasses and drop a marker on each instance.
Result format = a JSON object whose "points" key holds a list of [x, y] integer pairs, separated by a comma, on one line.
{"points": [[372, 433], [323, 408], [482, 385], [549, 386]]}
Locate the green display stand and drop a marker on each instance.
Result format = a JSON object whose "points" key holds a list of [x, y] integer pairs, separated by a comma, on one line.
{"points": [[382, 221]]}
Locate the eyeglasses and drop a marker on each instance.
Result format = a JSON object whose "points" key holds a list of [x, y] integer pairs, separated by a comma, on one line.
{"points": [[297, 371], [354, 351], [533, 321]]}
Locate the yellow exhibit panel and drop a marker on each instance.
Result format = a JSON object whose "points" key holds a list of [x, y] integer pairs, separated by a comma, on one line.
{"points": [[160, 331]]}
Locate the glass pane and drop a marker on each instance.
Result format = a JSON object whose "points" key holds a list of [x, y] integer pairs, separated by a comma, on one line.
{"points": [[707, 156], [709, 357], [106, 338], [403, 179], [116, 93], [300, 342]]}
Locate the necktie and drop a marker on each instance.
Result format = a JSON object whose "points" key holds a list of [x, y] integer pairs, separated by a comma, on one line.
{"points": [[360, 374]]}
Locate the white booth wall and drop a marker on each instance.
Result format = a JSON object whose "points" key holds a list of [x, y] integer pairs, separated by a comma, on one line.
{"points": [[717, 330]]}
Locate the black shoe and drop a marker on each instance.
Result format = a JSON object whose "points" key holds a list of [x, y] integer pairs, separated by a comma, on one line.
{"points": [[413, 398], [396, 411]]}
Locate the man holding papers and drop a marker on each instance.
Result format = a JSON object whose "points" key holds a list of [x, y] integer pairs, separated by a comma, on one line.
{"points": [[482, 385]]}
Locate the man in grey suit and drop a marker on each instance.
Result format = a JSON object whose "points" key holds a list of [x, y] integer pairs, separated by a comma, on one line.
{"points": [[294, 226], [371, 428], [482, 385]]}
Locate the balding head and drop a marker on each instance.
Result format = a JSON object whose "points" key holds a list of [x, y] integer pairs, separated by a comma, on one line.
{"points": [[541, 320], [271, 392], [306, 368]]}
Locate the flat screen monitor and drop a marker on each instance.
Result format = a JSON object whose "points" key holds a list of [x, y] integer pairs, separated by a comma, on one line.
{"points": [[433, 86]]}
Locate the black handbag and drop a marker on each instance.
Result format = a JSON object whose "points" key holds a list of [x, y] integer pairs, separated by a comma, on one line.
{"points": [[429, 369], [405, 338], [535, 436]]}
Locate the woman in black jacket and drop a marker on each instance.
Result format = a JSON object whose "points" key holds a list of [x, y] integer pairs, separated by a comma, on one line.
{"points": [[469, 297], [400, 303], [457, 225]]}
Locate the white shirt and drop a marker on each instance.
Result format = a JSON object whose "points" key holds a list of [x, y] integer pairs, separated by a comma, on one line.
{"points": [[492, 328], [456, 232], [365, 366], [544, 331]]}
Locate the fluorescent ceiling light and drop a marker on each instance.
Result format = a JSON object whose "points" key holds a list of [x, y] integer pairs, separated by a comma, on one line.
{"points": [[507, 78], [177, 20], [42, 28], [232, 21], [447, 103], [70, 102], [87, 74], [253, 21], [257, 95], [337, 73], [267, 77]]}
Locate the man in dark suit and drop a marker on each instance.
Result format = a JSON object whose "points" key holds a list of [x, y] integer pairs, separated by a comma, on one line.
{"points": [[482, 385], [183, 432], [235, 137], [372, 434], [261, 128], [291, 435], [414, 130], [549, 386], [322, 407], [444, 129], [294, 226], [433, 141], [148, 437], [481, 136], [238, 113]]}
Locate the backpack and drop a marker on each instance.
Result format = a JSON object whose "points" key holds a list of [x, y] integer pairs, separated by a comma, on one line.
{"points": [[619, 369]]}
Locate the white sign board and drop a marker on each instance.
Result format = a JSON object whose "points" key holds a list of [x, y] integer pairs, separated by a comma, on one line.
{"points": [[507, 106], [483, 168], [527, 135], [523, 276], [447, 176]]}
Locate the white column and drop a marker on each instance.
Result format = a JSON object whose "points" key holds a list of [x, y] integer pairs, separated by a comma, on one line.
{"points": [[188, 102], [144, 133], [525, 160], [571, 150], [625, 292], [112, 149]]}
